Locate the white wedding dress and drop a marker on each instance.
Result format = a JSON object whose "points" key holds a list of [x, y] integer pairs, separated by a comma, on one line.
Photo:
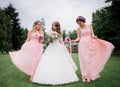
{"points": [[56, 66]]}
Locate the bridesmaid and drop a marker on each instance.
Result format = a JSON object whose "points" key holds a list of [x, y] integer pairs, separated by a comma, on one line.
{"points": [[93, 52], [27, 58]]}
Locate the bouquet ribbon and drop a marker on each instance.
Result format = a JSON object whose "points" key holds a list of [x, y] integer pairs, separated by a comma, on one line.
{"points": [[70, 43]]}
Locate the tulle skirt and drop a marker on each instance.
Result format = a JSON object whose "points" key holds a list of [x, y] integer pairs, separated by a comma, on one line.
{"points": [[56, 66], [93, 54], [27, 58]]}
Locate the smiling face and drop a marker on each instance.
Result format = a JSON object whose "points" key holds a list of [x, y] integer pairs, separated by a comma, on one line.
{"points": [[80, 20], [56, 27], [38, 26], [80, 23]]}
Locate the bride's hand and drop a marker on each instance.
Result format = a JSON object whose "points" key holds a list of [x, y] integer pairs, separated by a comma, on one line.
{"points": [[54, 35], [61, 42]]}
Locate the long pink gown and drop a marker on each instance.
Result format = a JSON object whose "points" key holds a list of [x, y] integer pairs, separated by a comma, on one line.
{"points": [[93, 54], [27, 58]]}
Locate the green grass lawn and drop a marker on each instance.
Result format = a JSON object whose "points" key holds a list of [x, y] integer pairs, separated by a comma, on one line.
{"points": [[10, 76]]}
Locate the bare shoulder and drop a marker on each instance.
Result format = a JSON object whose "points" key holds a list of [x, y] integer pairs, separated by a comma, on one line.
{"points": [[89, 25], [29, 32], [78, 29], [42, 32]]}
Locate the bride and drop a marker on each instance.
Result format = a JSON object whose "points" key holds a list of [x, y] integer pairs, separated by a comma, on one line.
{"points": [[56, 65]]}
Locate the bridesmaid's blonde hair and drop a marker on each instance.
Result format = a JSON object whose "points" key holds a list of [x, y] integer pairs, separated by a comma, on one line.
{"points": [[34, 25]]}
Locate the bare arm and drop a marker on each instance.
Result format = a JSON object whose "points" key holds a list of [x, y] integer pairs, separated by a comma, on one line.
{"points": [[42, 39], [93, 35], [78, 36], [61, 40], [28, 36]]}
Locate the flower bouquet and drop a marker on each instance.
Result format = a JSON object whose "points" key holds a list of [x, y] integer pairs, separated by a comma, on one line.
{"points": [[41, 36], [52, 36], [68, 44]]}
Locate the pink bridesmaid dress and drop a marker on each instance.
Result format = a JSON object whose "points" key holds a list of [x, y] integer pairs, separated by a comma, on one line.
{"points": [[93, 54], [27, 58]]}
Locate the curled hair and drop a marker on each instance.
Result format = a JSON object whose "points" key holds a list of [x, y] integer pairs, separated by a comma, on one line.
{"points": [[36, 22], [34, 25], [80, 18], [57, 25]]}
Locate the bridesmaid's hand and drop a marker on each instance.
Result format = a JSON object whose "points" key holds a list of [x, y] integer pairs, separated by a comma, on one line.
{"points": [[41, 40], [95, 37], [73, 41]]}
